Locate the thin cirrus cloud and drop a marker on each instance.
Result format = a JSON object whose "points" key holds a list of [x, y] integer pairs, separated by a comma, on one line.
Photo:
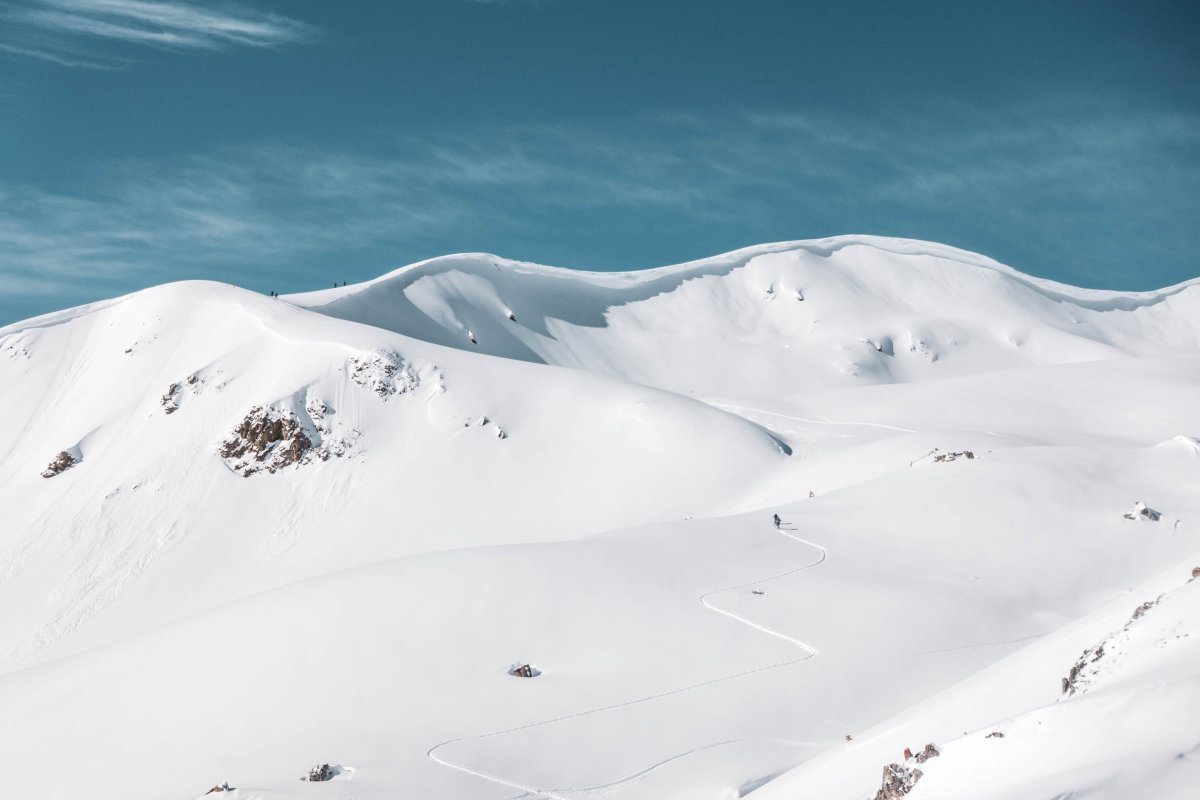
{"points": [[1092, 193], [66, 31]]}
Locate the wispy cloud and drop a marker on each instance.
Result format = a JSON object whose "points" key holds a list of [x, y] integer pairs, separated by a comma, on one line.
{"points": [[1067, 195], [60, 30]]}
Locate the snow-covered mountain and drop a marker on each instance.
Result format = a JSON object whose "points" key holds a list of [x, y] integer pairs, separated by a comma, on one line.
{"points": [[756, 523]]}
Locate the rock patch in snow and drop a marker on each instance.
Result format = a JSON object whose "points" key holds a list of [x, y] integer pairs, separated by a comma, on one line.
{"points": [[267, 439], [1143, 512], [170, 400], [483, 422], [900, 778], [384, 373], [61, 463], [321, 772], [1085, 669], [941, 457], [524, 671]]}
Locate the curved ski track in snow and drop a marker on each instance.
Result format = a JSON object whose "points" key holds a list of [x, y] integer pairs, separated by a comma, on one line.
{"points": [[558, 793]]}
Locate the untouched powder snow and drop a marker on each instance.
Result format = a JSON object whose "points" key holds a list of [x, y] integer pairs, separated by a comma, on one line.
{"points": [[756, 523]]}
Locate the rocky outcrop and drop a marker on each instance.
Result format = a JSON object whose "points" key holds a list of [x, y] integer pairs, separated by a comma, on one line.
{"points": [[940, 456], [1086, 667], [931, 751], [61, 463], [1141, 511], [170, 400], [900, 778], [384, 373], [524, 671], [321, 772], [268, 439]]}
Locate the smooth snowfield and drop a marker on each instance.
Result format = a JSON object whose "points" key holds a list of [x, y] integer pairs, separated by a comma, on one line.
{"points": [[513, 464]]}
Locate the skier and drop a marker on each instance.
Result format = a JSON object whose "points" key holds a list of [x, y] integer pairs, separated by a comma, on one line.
{"points": [[775, 518]]}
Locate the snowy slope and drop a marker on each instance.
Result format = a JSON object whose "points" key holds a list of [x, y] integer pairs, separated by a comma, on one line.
{"points": [[588, 487], [1124, 728]]}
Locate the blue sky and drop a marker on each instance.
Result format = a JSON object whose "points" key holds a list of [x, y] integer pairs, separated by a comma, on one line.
{"points": [[288, 145]]}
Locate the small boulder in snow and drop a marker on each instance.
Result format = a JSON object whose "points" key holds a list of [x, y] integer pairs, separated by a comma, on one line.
{"points": [[953, 456], [170, 400], [321, 772], [1143, 512], [930, 751], [61, 463], [524, 671]]}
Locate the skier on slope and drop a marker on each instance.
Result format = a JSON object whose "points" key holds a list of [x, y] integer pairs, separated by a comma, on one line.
{"points": [[775, 518]]}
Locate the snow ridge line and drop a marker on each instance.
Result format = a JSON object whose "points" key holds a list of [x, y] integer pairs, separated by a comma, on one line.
{"points": [[554, 794]]}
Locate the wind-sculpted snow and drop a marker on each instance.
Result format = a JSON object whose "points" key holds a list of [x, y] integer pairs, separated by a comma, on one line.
{"points": [[774, 319], [756, 524]]}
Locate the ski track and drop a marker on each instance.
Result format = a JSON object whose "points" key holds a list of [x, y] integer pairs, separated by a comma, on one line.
{"points": [[560, 793]]}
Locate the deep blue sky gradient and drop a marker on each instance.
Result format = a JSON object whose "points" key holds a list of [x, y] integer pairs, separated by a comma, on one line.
{"points": [[1061, 138]]}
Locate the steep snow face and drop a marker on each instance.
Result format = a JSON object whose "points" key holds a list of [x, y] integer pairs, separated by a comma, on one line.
{"points": [[778, 319], [247, 535]]}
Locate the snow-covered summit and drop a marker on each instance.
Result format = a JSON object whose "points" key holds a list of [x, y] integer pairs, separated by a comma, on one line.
{"points": [[773, 319]]}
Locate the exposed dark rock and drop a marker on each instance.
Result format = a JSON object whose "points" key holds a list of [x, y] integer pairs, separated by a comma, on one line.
{"points": [[1084, 670], [930, 751], [1142, 609], [61, 463], [1143, 512], [321, 772], [220, 787], [942, 457], [267, 439], [995, 735], [524, 671], [170, 400], [899, 779]]}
